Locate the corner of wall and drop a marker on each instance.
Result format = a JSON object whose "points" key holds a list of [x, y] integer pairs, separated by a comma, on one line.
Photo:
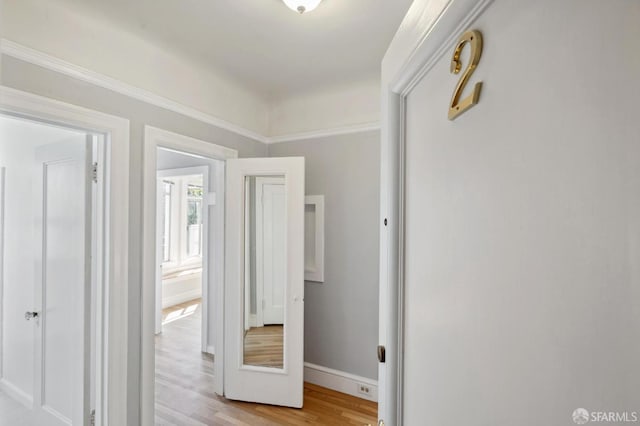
{"points": [[341, 106]]}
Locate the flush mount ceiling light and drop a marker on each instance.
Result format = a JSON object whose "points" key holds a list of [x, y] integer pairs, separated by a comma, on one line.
{"points": [[302, 6]]}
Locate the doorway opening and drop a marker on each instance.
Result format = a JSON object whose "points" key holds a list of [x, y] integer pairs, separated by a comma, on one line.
{"points": [[182, 239], [51, 272], [186, 209], [183, 271]]}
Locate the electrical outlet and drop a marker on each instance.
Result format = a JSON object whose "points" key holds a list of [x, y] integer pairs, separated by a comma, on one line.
{"points": [[364, 389]]}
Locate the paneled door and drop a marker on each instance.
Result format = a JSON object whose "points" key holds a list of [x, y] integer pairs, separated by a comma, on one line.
{"points": [[264, 362], [63, 283], [270, 247]]}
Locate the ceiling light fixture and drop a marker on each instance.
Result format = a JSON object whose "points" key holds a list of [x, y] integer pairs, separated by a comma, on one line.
{"points": [[302, 6]]}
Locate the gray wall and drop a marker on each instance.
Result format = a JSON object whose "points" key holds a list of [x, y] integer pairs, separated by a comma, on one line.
{"points": [[30, 78], [341, 314]]}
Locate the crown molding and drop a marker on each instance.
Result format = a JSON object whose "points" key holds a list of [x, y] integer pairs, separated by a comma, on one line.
{"points": [[344, 130], [437, 35], [52, 63], [44, 60]]}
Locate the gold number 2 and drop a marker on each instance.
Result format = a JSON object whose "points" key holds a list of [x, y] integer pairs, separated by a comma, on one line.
{"points": [[457, 106]]}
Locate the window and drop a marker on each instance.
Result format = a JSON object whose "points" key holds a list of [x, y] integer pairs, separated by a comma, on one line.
{"points": [[182, 227], [194, 220], [166, 229]]}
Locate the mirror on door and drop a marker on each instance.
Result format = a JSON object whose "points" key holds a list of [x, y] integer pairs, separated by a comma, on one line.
{"points": [[264, 271]]}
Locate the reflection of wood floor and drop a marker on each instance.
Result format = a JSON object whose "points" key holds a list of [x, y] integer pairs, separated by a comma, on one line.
{"points": [[263, 346], [185, 396]]}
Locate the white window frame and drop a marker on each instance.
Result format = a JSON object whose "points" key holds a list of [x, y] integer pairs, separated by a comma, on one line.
{"points": [[178, 257], [162, 195]]}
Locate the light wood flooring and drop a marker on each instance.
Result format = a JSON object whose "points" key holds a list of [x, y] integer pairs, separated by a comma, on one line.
{"points": [[263, 346], [184, 387]]}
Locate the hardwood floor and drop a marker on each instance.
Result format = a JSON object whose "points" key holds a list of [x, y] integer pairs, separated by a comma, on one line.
{"points": [[263, 346], [184, 387]]}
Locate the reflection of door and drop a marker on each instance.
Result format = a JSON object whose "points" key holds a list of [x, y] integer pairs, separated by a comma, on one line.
{"points": [[61, 394], [269, 385], [270, 247]]}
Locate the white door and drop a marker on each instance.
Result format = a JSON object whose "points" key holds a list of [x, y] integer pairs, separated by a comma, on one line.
{"points": [[264, 364], [270, 247], [63, 191]]}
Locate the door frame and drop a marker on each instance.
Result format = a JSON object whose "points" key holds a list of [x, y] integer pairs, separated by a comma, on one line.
{"points": [[428, 32], [113, 242], [204, 281], [2, 195], [155, 138]]}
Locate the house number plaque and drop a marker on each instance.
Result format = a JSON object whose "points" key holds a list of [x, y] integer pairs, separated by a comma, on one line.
{"points": [[458, 106]]}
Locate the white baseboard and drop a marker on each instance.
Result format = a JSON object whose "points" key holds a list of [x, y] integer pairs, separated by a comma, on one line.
{"points": [[181, 298], [340, 381], [211, 350], [15, 393], [253, 320]]}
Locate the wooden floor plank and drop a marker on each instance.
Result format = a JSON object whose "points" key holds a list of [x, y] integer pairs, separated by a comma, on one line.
{"points": [[185, 379]]}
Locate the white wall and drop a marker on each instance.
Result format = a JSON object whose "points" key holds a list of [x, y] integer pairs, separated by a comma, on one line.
{"points": [[1, 33], [97, 45], [63, 32], [326, 108], [181, 289], [523, 222], [18, 139]]}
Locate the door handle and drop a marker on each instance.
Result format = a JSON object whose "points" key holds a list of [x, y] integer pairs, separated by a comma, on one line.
{"points": [[29, 315]]}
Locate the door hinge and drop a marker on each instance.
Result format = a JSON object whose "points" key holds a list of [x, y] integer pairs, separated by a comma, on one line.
{"points": [[94, 172], [381, 354], [92, 417]]}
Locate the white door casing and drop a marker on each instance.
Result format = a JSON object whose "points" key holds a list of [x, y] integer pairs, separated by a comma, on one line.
{"points": [[158, 277], [249, 319], [63, 277], [158, 138], [428, 31], [111, 243], [2, 196], [251, 383], [270, 249]]}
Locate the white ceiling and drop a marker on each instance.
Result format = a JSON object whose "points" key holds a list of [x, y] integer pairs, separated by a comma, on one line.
{"points": [[262, 44]]}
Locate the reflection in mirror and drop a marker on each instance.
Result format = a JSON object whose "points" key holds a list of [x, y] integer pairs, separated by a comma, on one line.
{"points": [[265, 271]]}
